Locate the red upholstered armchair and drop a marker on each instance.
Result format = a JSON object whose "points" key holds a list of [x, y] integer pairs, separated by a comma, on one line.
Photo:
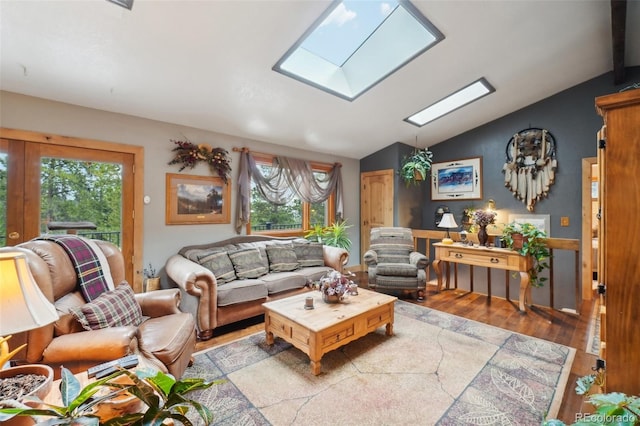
{"points": [[165, 339]]}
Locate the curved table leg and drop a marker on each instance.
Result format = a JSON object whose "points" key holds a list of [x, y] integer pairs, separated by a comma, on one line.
{"points": [[437, 266], [315, 367], [525, 291]]}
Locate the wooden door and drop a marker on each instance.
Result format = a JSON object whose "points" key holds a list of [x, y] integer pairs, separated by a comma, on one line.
{"points": [[620, 202], [24, 151], [376, 203]]}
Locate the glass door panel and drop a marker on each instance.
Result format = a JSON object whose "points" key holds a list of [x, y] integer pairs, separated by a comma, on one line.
{"points": [[42, 183], [76, 193]]}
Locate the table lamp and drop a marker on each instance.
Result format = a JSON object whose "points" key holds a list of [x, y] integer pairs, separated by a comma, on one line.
{"points": [[447, 222], [23, 307]]}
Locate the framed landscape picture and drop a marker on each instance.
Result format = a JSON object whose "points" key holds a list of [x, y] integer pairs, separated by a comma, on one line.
{"points": [[540, 221], [197, 200], [457, 180]]}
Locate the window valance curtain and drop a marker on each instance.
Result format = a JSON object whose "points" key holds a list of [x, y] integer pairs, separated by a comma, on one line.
{"points": [[288, 178]]}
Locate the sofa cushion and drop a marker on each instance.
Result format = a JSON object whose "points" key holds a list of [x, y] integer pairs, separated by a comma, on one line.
{"points": [[261, 246], [248, 263], [314, 273], [397, 269], [111, 309], [392, 253], [309, 254], [241, 290], [282, 258], [283, 281], [218, 262]]}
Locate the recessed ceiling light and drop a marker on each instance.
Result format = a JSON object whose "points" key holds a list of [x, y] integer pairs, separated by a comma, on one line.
{"points": [[356, 44], [462, 97]]}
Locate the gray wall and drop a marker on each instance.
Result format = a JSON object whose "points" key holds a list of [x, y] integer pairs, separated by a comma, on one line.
{"points": [[160, 240], [571, 117], [408, 200]]}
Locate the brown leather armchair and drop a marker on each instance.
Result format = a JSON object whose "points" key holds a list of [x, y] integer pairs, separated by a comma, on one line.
{"points": [[166, 340]]}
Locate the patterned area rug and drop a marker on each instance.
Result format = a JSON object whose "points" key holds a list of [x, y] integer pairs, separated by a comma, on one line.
{"points": [[436, 369]]}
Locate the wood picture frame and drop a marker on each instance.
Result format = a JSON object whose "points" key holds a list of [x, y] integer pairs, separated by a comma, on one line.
{"points": [[540, 221], [197, 200], [457, 180]]}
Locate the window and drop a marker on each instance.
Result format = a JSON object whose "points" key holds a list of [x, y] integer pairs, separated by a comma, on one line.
{"points": [[356, 44], [462, 97], [293, 218]]}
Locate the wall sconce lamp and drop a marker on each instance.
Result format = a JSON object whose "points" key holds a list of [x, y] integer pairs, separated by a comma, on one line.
{"points": [[23, 307], [447, 222]]}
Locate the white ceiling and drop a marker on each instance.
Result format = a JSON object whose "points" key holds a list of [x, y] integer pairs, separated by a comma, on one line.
{"points": [[207, 64]]}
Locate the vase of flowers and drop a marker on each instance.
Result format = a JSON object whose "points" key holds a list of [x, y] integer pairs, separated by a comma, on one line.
{"points": [[483, 218], [335, 286]]}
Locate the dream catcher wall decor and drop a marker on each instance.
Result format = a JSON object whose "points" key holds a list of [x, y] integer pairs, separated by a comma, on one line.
{"points": [[529, 170]]}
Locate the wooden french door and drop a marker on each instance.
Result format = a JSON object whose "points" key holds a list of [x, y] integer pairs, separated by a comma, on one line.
{"points": [[23, 153]]}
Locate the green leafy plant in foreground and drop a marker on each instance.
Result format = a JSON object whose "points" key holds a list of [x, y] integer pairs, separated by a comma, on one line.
{"points": [[611, 409], [162, 393]]}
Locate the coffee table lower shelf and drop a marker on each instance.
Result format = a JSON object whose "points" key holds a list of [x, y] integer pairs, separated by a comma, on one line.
{"points": [[328, 326]]}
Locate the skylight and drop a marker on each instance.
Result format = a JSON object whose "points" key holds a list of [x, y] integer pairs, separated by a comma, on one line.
{"points": [[462, 97], [356, 44]]}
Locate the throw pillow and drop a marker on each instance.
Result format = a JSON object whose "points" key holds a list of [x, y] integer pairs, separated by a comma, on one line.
{"points": [[111, 309], [282, 258], [248, 263], [218, 262], [309, 254]]}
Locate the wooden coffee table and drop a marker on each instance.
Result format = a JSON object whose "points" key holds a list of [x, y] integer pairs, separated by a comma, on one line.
{"points": [[328, 326]]}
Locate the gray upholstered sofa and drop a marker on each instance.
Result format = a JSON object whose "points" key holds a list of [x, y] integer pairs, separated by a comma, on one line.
{"points": [[228, 281]]}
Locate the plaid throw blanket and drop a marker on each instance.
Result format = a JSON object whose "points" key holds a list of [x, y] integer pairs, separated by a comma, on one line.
{"points": [[91, 279]]}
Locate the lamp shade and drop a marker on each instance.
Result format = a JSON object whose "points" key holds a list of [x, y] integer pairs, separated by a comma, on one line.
{"points": [[447, 221], [22, 305]]}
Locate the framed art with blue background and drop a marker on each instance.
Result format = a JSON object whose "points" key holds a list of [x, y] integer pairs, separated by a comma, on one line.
{"points": [[457, 180]]}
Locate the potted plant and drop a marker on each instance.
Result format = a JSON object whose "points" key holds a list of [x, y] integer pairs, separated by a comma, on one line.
{"points": [[333, 235], [20, 382], [161, 393], [415, 167], [528, 240], [336, 235], [315, 234], [151, 278]]}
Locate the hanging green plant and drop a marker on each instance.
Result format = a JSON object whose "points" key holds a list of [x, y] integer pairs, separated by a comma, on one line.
{"points": [[189, 155], [415, 168]]}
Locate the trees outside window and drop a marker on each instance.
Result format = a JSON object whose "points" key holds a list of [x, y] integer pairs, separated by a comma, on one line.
{"points": [[77, 191], [293, 218]]}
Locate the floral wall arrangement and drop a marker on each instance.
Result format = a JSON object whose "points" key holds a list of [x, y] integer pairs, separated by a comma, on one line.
{"points": [[188, 154]]}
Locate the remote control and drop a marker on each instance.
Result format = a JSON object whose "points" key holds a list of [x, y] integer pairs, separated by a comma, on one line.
{"points": [[125, 362]]}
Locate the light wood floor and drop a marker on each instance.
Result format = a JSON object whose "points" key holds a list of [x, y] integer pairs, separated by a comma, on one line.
{"points": [[555, 326]]}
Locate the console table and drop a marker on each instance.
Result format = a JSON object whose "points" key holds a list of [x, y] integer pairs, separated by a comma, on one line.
{"points": [[488, 257]]}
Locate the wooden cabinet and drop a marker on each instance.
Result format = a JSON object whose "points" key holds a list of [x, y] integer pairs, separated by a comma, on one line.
{"points": [[619, 257]]}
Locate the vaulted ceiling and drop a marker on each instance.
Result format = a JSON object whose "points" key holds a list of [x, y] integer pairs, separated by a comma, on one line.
{"points": [[208, 64]]}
